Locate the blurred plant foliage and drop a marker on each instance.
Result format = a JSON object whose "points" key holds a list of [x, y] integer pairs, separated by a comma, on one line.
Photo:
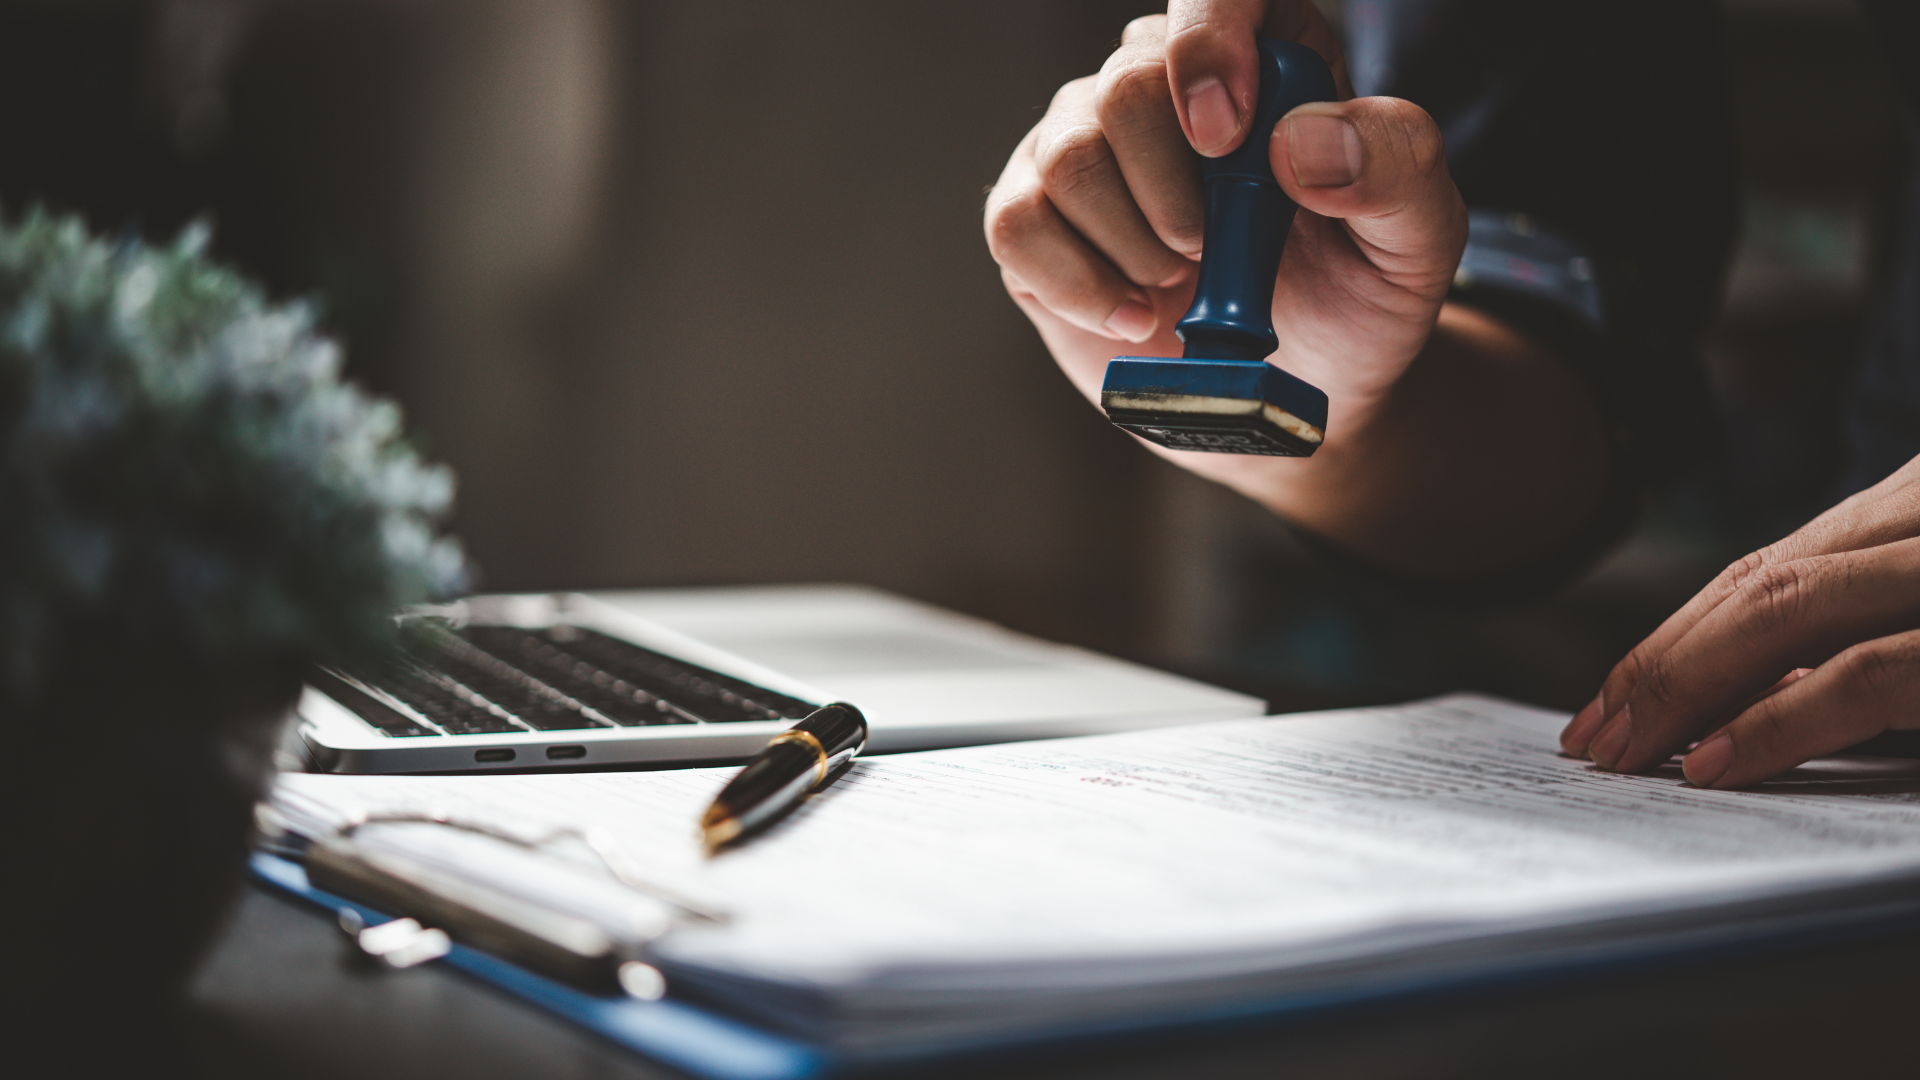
{"points": [[183, 471]]}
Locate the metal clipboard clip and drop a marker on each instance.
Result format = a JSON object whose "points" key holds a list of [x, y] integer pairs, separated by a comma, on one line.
{"points": [[519, 898]]}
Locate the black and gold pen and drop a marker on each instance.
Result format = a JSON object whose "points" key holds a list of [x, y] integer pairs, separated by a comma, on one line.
{"points": [[798, 762]]}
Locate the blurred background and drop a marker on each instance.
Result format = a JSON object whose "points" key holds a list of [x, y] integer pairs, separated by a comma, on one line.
{"points": [[696, 293]]}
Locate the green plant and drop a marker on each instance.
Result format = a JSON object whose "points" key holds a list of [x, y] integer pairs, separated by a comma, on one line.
{"points": [[183, 474]]}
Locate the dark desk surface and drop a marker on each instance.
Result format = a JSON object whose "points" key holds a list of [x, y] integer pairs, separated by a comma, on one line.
{"points": [[282, 996]]}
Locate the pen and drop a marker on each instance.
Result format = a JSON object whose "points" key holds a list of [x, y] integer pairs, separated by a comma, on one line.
{"points": [[798, 762]]}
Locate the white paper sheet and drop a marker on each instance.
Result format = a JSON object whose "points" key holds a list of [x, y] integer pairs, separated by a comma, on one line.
{"points": [[1251, 842]]}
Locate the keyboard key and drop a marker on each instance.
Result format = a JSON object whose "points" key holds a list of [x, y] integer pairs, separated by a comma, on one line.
{"points": [[613, 698], [630, 684], [380, 714], [454, 708], [478, 680], [699, 691], [532, 700]]}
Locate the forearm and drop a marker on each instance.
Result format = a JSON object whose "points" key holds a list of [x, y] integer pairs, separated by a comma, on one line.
{"points": [[1489, 451], [1455, 450]]}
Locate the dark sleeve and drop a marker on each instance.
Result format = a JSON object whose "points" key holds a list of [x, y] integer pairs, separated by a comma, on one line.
{"points": [[1594, 147], [1882, 406]]}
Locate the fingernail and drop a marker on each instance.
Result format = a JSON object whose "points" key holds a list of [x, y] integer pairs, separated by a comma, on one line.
{"points": [[1210, 114], [1132, 320], [1580, 729], [1608, 747], [1709, 761], [1325, 150]]}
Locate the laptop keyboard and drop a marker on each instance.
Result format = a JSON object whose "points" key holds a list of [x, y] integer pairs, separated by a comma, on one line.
{"points": [[475, 680]]}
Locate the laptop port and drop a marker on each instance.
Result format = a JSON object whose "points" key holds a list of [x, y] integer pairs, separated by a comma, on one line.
{"points": [[500, 754], [566, 753]]}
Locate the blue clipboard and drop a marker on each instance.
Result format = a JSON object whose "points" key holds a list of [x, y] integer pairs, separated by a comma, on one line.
{"points": [[709, 1043], [673, 1032]]}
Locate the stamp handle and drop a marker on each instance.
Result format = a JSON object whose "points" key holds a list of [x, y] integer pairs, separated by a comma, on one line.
{"points": [[1248, 217]]}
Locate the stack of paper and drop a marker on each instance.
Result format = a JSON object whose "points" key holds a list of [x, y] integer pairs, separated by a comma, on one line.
{"points": [[956, 894]]}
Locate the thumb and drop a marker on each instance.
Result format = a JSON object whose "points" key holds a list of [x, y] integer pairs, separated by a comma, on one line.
{"points": [[1379, 165]]}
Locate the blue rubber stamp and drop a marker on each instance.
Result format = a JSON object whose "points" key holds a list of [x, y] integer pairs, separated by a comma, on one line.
{"points": [[1222, 395]]}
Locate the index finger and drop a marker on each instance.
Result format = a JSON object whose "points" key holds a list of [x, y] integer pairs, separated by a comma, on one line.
{"points": [[1885, 513], [1137, 114], [1212, 68], [1797, 614]]}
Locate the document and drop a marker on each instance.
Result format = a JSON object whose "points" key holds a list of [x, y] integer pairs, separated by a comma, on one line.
{"points": [[987, 888]]}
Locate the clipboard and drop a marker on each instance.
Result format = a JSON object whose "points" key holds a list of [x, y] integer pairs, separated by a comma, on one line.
{"points": [[670, 1031], [709, 1043]]}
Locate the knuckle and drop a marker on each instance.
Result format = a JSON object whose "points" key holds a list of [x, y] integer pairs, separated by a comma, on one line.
{"points": [[1766, 726], [1144, 29], [1775, 596], [1876, 669], [1657, 685], [1073, 160], [1072, 94], [1193, 36], [1011, 219], [1404, 115], [1414, 133], [1743, 568], [1627, 673], [1427, 149], [1197, 44], [1133, 93]]}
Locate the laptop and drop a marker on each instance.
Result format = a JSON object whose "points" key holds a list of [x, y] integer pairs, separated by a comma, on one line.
{"points": [[685, 676]]}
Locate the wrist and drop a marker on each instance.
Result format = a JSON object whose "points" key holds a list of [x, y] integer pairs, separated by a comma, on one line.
{"points": [[1485, 454]]}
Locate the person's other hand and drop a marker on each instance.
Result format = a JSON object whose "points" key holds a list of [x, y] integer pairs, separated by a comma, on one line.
{"points": [[1801, 649], [1097, 220]]}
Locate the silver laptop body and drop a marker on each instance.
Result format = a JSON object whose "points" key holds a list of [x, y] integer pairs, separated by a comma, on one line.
{"points": [[677, 676]]}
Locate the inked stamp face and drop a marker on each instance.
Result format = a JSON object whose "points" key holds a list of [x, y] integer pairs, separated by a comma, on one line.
{"points": [[1222, 407], [1245, 434]]}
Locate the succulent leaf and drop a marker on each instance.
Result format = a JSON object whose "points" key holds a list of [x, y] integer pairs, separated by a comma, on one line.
{"points": [[182, 465]]}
